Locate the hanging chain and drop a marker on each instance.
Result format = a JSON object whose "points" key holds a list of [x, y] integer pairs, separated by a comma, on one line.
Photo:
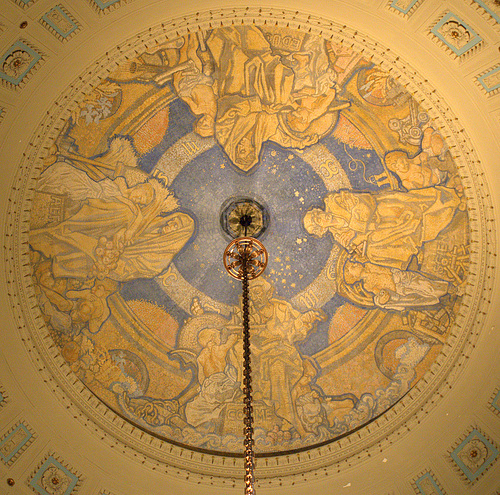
{"points": [[245, 258], [247, 383]]}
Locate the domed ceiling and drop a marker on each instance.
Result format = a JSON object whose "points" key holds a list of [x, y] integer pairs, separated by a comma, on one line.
{"points": [[362, 184], [368, 238]]}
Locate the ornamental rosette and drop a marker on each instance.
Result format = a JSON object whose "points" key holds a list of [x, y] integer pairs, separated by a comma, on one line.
{"points": [[474, 454], [455, 33], [17, 63], [55, 481]]}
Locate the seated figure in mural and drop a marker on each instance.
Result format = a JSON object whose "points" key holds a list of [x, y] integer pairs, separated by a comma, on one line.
{"points": [[385, 228], [217, 377], [276, 362], [414, 173], [432, 166], [117, 232], [263, 97], [393, 288], [421, 171], [245, 94]]}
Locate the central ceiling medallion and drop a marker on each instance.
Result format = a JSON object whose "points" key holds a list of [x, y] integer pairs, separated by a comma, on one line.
{"points": [[235, 209]]}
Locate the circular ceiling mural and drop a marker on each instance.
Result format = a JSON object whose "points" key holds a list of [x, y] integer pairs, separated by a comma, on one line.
{"points": [[363, 215]]}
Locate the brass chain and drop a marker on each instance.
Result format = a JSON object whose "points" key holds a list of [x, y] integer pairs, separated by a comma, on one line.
{"points": [[245, 258], [247, 384]]}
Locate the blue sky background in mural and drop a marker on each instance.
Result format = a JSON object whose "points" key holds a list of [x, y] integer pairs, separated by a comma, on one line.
{"points": [[286, 185]]}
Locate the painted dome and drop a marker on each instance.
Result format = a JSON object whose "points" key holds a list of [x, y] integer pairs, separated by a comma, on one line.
{"points": [[360, 137], [366, 227]]}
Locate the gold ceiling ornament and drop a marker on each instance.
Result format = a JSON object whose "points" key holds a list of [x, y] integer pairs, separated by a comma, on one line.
{"points": [[250, 249], [245, 258], [246, 208], [236, 208]]}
